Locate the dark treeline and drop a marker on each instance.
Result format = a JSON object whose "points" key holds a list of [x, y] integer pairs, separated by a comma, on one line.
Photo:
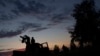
{"points": [[86, 31], [86, 34]]}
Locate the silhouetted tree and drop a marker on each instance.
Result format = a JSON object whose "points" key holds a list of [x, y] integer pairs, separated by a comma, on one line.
{"points": [[56, 50], [72, 44], [86, 27], [65, 50]]}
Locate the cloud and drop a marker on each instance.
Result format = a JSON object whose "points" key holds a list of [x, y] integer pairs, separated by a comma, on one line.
{"points": [[2, 3], [21, 7], [36, 6], [21, 15], [15, 8], [4, 34], [9, 49], [29, 6], [27, 25], [39, 29], [24, 26], [33, 26], [15, 11], [59, 18], [4, 17]]}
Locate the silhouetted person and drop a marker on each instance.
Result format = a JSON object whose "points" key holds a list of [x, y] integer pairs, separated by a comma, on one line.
{"points": [[26, 40], [32, 40]]}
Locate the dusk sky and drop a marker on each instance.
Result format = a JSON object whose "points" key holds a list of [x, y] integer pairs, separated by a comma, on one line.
{"points": [[45, 20]]}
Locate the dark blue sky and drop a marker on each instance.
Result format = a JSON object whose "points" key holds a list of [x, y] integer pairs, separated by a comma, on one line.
{"points": [[46, 20]]}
